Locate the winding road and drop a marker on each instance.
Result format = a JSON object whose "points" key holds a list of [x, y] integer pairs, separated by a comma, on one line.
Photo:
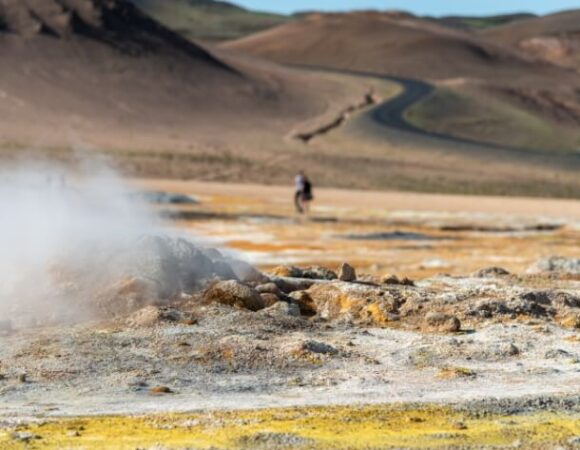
{"points": [[390, 115]]}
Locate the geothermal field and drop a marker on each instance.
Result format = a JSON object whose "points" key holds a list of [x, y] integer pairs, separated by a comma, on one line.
{"points": [[159, 289], [164, 314]]}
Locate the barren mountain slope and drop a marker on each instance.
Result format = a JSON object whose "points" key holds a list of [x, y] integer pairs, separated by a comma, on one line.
{"points": [[104, 70], [554, 38], [395, 44]]}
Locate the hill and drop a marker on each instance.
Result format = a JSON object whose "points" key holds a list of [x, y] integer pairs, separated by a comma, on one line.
{"points": [[471, 73], [209, 20], [554, 38], [104, 71], [483, 22], [391, 43]]}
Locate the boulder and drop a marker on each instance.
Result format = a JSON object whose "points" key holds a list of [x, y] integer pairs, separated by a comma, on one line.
{"points": [[234, 293], [442, 323], [347, 272]]}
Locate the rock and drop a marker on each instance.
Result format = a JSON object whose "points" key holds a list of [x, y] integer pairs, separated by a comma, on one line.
{"points": [[319, 273], [246, 272], [491, 272], [269, 299], [153, 315], [347, 273], [234, 293], [395, 280], [289, 285], [442, 323], [282, 309], [556, 264], [312, 273], [304, 302], [362, 304], [319, 347], [287, 272], [159, 390], [391, 279], [557, 353], [269, 288]]}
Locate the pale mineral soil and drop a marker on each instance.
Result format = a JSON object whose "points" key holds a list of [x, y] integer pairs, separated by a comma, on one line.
{"points": [[409, 234], [522, 361]]}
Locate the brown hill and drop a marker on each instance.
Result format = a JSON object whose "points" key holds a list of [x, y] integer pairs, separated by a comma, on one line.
{"points": [[103, 71], [554, 38], [392, 44]]}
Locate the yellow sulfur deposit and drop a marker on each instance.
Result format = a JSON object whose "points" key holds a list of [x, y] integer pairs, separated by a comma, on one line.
{"points": [[302, 428]]}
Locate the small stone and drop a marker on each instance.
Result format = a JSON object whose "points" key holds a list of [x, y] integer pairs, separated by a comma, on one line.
{"points": [[319, 347], [347, 273], [158, 390], [443, 323]]}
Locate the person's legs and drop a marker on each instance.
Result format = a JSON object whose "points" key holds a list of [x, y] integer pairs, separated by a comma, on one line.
{"points": [[298, 202]]}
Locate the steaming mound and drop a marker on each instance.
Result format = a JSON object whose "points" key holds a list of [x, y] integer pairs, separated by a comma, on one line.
{"points": [[554, 38], [104, 70], [390, 44]]}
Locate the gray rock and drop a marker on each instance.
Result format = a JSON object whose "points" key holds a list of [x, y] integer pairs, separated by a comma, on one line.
{"points": [[347, 272], [319, 347]]}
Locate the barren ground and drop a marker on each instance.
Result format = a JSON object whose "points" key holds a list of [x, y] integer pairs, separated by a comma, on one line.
{"points": [[507, 377]]}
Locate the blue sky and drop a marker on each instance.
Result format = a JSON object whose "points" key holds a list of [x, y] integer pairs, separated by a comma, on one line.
{"points": [[421, 7]]}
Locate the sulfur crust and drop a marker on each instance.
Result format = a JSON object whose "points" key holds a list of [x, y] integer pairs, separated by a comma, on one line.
{"points": [[321, 427]]}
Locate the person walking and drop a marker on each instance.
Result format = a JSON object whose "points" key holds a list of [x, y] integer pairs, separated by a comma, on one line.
{"points": [[307, 195], [299, 182]]}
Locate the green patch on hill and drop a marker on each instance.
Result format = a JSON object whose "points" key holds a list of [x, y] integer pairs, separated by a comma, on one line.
{"points": [[468, 113], [208, 19], [478, 23]]}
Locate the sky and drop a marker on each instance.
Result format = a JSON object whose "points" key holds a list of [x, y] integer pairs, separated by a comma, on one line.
{"points": [[419, 7]]}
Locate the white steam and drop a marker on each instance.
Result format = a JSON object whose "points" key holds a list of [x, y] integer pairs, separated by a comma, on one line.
{"points": [[59, 225]]}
